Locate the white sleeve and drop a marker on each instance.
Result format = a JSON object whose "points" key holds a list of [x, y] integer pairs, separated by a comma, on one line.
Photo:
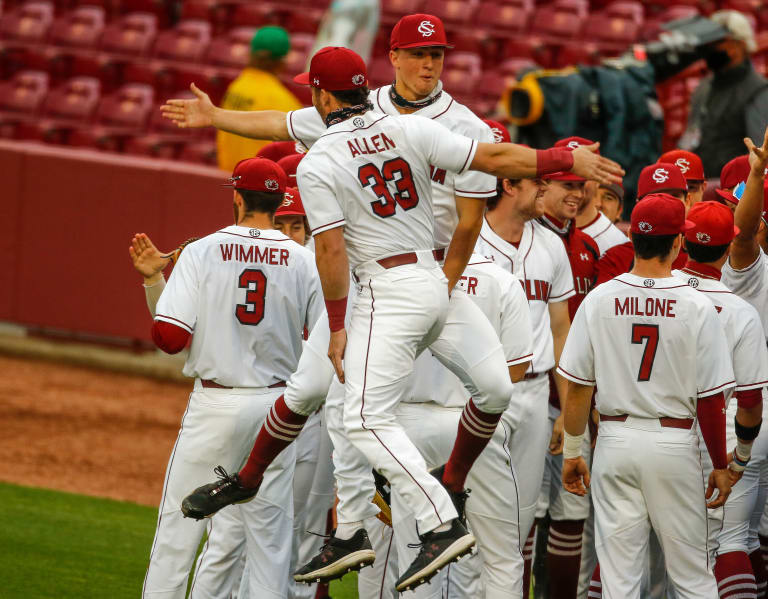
{"points": [[750, 356], [322, 207], [476, 184], [179, 302], [577, 362], [713, 363], [305, 125], [562, 282], [748, 283], [443, 148], [516, 331]]}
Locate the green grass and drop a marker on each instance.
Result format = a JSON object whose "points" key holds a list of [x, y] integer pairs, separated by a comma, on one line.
{"points": [[63, 545]]}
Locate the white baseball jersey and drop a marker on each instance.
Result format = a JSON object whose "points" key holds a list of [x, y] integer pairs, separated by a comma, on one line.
{"points": [[246, 296], [541, 264], [742, 325], [605, 233], [751, 284], [500, 296], [306, 126], [652, 346], [373, 171]]}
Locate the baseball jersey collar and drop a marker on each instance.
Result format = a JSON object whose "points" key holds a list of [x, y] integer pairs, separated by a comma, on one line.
{"points": [[701, 271], [658, 283], [384, 104], [254, 233]]}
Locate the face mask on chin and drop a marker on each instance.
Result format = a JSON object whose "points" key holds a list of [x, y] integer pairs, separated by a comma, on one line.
{"points": [[717, 60]]}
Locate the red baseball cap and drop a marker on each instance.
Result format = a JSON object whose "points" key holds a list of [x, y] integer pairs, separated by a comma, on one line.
{"points": [[688, 163], [334, 68], [733, 173], [417, 31], [713, 224], [660, 177], [289, 164], [659, 214], [500, 132], [257, 174], [277, 150], [573, 142], [291, 205], [570, 144]]}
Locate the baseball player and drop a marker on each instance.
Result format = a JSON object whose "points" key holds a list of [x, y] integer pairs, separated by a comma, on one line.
{"points": [[235, 294], [655, 178], [290, 218], [693, 171], [513, 238], [658, 352], [734, 540], [345, 114]]}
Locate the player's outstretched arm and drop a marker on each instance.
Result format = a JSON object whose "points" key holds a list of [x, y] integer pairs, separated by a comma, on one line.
{"points": [[201, 112], [512, 161], [147, 259], [745, 249], [576, 409]]}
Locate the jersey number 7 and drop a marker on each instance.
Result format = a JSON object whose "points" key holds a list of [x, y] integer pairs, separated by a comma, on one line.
{"points": [[650, 333], [396, 170], [252, 311]]}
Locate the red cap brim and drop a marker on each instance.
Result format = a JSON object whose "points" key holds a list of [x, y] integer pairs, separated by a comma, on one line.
{"points": [[688, 225], [727, 196], [302, 78]]}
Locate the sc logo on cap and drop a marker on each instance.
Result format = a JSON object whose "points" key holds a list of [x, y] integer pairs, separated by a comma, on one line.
{"points": [[683, 164], [703, 237], [573, 144], [497, 138], [644, 226], [288, 199], [660, 175], [271, 184], [358, 79], [426, 28]]}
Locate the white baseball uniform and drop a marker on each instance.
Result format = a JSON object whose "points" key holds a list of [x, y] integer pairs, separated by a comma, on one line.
{"points": [[541, 264], [604, 232], [370, 174], [653, 347], [751, 284], [246, 296]]}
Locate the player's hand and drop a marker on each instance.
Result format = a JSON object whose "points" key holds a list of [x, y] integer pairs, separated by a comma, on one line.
{"points": [[336, 351], [146, 258], [720, 480], [190, 113], [590, 165], [758, 157], [556, 440], [576, 476]]}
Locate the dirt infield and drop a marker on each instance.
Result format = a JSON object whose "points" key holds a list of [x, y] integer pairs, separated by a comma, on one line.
{"points": [[87, 431]]}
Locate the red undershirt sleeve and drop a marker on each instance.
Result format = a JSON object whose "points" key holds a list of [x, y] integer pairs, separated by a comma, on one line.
{"points": [[169, 337], [711, 413]]}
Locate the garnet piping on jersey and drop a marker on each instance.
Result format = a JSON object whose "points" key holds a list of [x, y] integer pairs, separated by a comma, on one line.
{"points": [[574, 378], [572, 290], [715, 390], [644, 287], [352, 130], [254, 238], [475, 194], [328, 227], [174, 321], [757, 261], [293, 133], [472, 148], [519, 360]]}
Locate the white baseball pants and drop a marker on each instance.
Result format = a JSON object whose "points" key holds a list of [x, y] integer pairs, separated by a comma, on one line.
{"points": [[648, 476]]}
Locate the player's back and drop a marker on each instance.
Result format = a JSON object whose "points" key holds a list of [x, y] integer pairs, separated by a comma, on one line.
{"points": [[246, 295], [371, 173], [648, 337]]}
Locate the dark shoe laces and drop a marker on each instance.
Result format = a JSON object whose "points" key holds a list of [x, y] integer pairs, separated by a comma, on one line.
{"points": [[224, 478]]}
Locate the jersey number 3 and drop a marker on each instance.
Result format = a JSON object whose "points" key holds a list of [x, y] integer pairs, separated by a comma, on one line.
{"points": [[252, 311], [396, 170], [649, 333]]}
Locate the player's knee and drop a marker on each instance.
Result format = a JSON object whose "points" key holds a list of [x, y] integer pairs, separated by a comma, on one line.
{"points": [[304, 400], [494, 397]]}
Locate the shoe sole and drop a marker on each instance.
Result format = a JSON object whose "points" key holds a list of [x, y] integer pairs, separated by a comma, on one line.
{"points": [[192, 513], [459, 548], [354, 561]]}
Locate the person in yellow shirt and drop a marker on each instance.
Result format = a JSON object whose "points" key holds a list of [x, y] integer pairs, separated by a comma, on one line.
{"points": [[256, 88]]}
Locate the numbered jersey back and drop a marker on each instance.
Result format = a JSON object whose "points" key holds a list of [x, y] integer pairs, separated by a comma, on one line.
{"points": [[371, 174], [246, 295]]}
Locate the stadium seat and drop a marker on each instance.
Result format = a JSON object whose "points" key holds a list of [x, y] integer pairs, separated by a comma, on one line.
{"points": [[131, 35], [27, 23], [232, 49], [393, 10], [380, 72], [612, 33], [466, 62], [253, 14], [304, 20], [24, 93], [162, 9], [492, 84], [127, 107], [652, 27], [187, 42], [74, 101], [296, 59], [558, 20], [503, 19], [201, 152], [511, 68], [452, 12], [626, 9], [531, 47], [575, 53], [152, 145], [80, 28]]}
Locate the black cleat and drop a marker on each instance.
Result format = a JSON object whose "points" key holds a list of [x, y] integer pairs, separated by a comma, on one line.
{"points": [[459, 499], [337, 557], [438, 549], [205, 501]]}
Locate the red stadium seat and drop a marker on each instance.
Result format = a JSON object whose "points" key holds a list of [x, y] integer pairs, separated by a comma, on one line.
{"points": [[152, 145], [460, 82], [201, 152], [232, 49], [505, 19], [510, 69], [452, 12], [558, 22], [304, 20], [393, 10], [531, 47], [627, 9], [380, 72], [253, 14], [27, 23], [132, 34], [24, 93], [128, 107], [582, 52], [187, 42], [492, 84], [75, 101], [466, 62], [612, 32], [296, 60], [81, 28], [652, 27]]}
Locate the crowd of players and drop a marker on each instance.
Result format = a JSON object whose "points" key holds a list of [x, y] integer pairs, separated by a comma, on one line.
{"points": [[399, 375]]}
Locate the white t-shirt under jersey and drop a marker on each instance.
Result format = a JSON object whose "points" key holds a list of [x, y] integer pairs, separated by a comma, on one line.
{"points": [[500, 296], [306, 126], [605, 233], [541, 264], [371, 174], [246, 296], [652, 346], [751, 284]]}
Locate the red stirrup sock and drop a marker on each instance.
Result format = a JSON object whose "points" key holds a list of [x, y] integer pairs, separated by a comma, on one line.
{"points": [[734, 576], [564, 557], [528, 561], [475, 430], [279, 430], [595, 585]]}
